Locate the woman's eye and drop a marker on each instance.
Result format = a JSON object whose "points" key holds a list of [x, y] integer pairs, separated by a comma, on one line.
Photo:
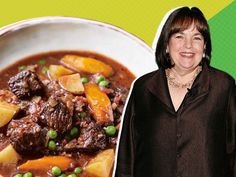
{"points": [[178, 37], [197, 38]]}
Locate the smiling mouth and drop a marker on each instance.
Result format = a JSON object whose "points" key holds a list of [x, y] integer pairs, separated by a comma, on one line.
{"points": [[187, 54]]}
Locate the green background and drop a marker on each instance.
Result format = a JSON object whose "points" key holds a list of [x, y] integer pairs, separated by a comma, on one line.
{"points": [[223, 34], [140, 18]]}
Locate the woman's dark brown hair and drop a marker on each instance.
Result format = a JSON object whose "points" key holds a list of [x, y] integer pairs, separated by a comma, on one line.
{"points": [[180, 20]]}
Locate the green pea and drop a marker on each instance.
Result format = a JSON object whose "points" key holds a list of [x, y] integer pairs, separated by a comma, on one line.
{"points": [[42, 61], [84, 79], [18, 175], [83, 114], [99, 79], [22, 67], [56, 170], [74, 132], [103, 83], [28, 174], [52, 145], [77, 170], [72, 175], [110, 130], [52, 134], [68, 137], [45, 70], [62, 175]]}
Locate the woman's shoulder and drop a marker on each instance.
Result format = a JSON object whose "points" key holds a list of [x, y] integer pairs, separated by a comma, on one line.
{"points": [[220, 76], [142, 80]]}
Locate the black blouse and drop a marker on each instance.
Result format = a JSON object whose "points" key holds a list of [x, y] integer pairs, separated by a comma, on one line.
{"points": [[196, 141]]}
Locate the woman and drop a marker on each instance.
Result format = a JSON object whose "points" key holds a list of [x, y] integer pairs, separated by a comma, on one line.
{"points": [[180, 120]]}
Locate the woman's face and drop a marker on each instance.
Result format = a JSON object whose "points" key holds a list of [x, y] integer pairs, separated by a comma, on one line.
{"points": [[186, 49]]}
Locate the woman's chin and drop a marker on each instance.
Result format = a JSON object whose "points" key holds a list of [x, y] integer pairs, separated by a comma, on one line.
{"points": [[188, 65]]}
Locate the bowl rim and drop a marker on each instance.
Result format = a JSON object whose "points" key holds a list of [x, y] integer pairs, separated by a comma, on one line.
{"points": [[10, 28]]}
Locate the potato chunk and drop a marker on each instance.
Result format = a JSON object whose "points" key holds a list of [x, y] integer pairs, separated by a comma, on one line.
{"points": [[88, 65], [9, 155], [72, 83], [101, 165], [56, 71], [99, 103], [7, 112]]}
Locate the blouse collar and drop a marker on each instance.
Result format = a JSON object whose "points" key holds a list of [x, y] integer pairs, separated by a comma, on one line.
{"points": [[158, 86]]}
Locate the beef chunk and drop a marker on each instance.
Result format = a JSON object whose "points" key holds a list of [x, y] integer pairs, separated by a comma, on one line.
{"points": [[80, 102], [25, 84], [32, 68], [26, 135], [3, 141], [107, 91], [112, 141], [56, 115], [32, 106], [9, 97], [52, 88], [118, 99], [92, 138]]}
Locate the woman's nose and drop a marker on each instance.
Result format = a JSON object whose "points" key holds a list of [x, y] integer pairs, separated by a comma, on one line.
{"points": [[188, 43]]}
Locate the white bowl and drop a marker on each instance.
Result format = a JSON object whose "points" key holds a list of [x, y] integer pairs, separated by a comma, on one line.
{"points": [[46, 34], [40, 35]]}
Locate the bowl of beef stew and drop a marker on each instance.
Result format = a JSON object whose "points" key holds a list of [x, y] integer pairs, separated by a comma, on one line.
{"points": [[64, 84]]}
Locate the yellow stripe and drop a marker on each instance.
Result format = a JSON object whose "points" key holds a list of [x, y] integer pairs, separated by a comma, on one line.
{"points": [[138, 17]]}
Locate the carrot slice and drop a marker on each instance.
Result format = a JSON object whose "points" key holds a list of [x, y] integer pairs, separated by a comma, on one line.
{"points": [[99, 103], [46, 163], [88, 65]]}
